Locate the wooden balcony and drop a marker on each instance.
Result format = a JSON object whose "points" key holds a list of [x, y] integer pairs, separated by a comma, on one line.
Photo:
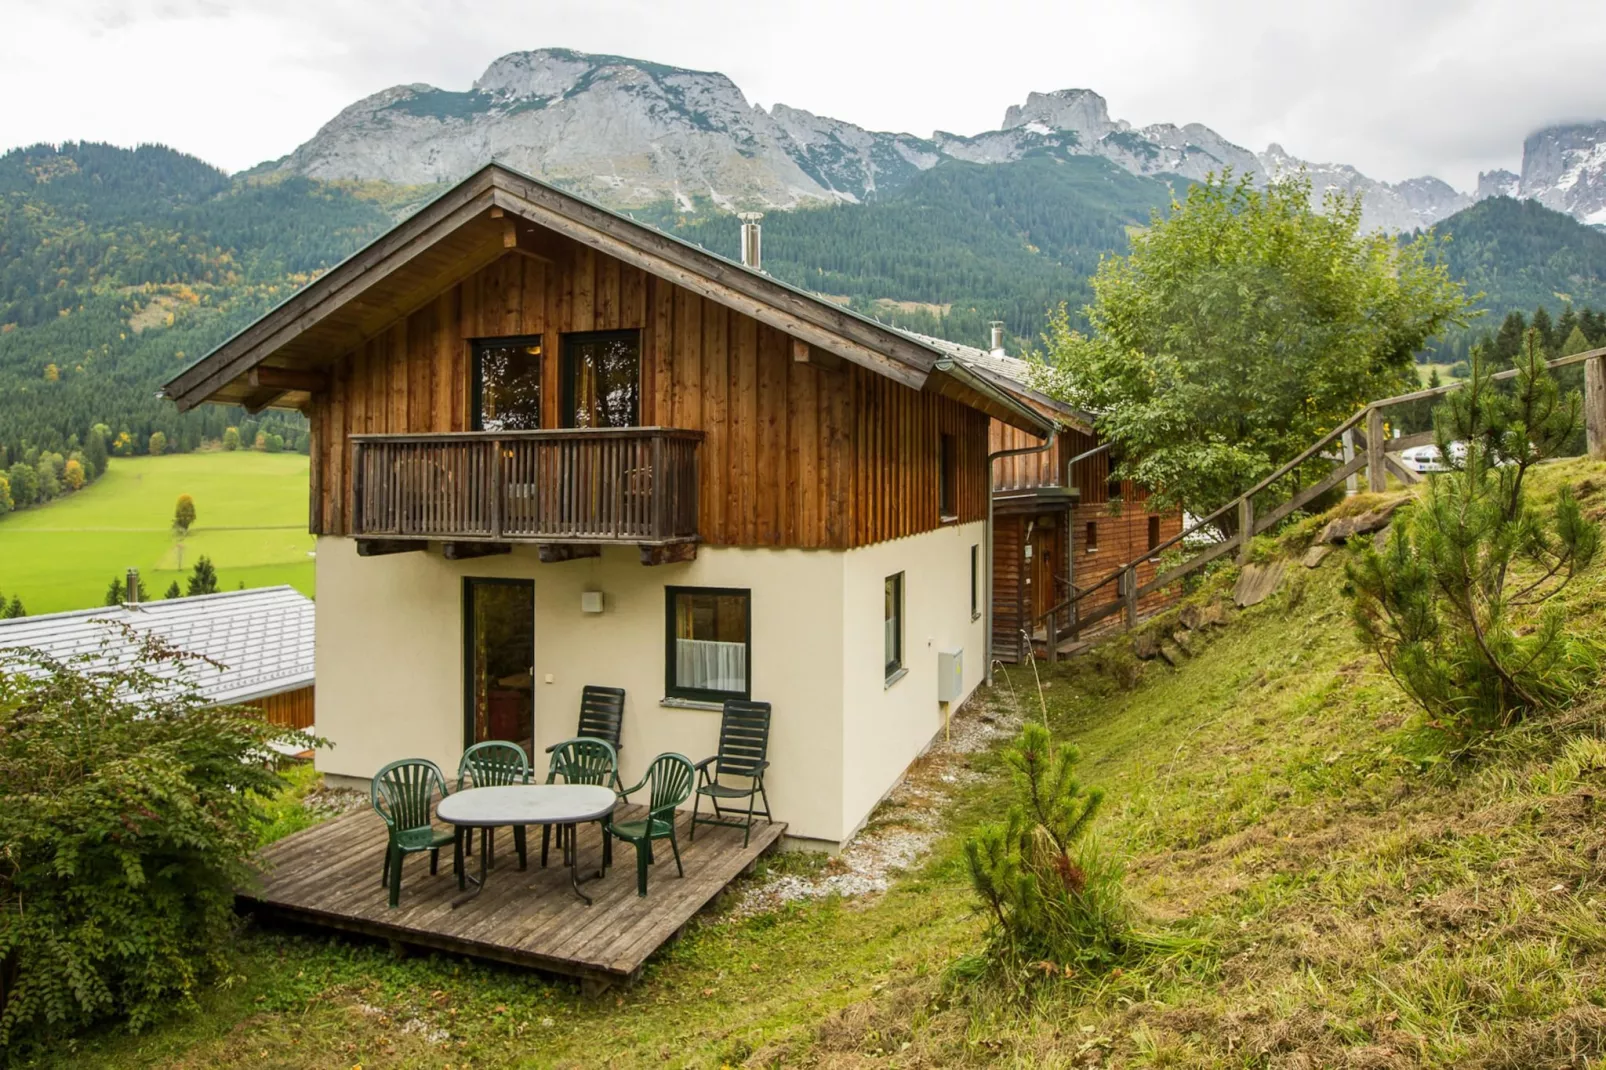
{"points": [[593, 485]]}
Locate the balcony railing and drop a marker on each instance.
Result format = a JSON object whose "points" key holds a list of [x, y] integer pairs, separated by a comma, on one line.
{"points": [[630, 485]]}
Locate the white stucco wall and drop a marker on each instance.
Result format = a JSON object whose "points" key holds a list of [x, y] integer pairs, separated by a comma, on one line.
{"points": [[885, 727], [390, 651]]}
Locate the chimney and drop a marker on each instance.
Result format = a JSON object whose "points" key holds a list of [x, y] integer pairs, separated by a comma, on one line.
{"points": [[996, 327], [752, 254], [132, 597]]}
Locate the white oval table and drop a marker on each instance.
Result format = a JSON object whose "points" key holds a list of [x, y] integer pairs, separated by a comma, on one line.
{"points": [[565, 805]]}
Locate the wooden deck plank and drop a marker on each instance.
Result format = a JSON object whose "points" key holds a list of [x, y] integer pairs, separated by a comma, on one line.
{"points": [[328, 876]]}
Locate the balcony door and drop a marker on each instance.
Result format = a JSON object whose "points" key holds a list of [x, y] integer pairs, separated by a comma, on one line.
{"points": [[507, 384], [499, 661], [602, 379]]}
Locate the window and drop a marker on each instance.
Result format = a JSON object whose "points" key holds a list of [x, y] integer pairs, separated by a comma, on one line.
{"points": [[1091, 539], [1112, 489], [709, 639], [975, 581], [602, 379], [893, 621], [1154, 532], [947, 477], [507, 384]]}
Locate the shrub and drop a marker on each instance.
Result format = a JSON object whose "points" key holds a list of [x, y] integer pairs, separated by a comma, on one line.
{"points": [[1055, 900], [1447, 606], [130, 815]]}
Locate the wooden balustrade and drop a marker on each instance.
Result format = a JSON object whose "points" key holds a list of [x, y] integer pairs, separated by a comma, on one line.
{"points": [[588, 485]]}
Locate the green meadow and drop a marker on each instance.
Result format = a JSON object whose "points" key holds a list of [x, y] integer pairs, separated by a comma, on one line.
{"points": [[251, 520]]}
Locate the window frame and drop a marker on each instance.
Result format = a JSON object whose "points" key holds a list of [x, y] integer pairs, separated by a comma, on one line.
{"points": [[466, 614], [894, 668], [1154, 531], [476, 382], [566, 377], [975, 581], [947, 478], [702, 694], [1090, 538]]}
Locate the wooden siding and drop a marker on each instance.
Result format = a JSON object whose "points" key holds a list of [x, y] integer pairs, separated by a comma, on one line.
{"points": [[288, 709], [816, 453]]}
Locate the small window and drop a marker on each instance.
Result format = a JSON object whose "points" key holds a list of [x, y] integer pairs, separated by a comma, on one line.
{"points": [[975, 581], [709, 638], [1154, 532], [1091, 539], [948, 478], [507, 384], [893, 621], [602, 379], [1112, 489]]}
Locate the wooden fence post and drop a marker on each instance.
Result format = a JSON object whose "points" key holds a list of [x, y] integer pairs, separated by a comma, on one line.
{"points": [[1352, 482], [1131, 581], [1246, 527], [1053, 636], [1595, 407], [1377, 477]]}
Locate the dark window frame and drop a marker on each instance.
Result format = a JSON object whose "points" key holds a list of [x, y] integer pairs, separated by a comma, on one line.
{"points": [[1090, 537], [476, 384], [1154, 531], [703, 694], [947, 478], [469, 583], [975, 581], [895, 663], [566, 377]]}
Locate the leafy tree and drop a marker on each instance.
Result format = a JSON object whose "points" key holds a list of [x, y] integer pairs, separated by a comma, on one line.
{"points": [[5, 494], [1051, 896], [183, 514], [117, 593], [1446, 605], [203, 579], [156, 444], [231, 438], [261, 441], [1242, 327], [273, 443], [172, 590], [132, 809], [24, 480], [73, 475]]}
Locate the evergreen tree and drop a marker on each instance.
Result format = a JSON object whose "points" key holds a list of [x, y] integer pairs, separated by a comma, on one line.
{"points": [[1575, 342], [95, 453], [117, 593], [14, 609], [1547, 330], [172, 590], [203, 580], [1508, 341]]}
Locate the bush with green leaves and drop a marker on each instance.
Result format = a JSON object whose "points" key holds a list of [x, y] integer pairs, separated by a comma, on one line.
{"points": [[1056, 902], [130, 813], [1460, 605]]}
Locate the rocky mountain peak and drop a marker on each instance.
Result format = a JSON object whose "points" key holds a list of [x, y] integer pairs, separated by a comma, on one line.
{"points": [[1081, 111], [543, 74], [1497, 183]]}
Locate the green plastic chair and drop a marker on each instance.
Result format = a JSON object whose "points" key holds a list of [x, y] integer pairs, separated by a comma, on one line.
{"points": [[737, 771], [401, 794], [582, 760], [494, 764], [670, 776]]}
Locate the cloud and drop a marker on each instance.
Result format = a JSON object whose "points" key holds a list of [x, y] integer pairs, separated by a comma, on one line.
{"points": [[1396, 87]]}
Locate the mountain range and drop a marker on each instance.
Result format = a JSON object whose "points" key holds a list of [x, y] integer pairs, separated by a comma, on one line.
{"points": [[631, 132]]}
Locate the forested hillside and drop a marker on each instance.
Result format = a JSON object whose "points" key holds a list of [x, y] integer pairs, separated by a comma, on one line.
{"points": [[118, 266]]}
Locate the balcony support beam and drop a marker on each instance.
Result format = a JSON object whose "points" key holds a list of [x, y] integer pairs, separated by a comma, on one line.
{"points": [[465, 551], [669, 554], [381, 547], [552, 553]]}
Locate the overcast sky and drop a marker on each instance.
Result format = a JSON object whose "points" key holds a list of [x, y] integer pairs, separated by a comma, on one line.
{"points": [[1396, 87]]}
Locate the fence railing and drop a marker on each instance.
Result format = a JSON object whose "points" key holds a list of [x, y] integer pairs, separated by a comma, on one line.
{"points": [[1353, 451], [632, 485]]}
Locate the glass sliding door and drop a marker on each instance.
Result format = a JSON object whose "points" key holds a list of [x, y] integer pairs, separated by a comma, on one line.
{"points": [[499, 661]]}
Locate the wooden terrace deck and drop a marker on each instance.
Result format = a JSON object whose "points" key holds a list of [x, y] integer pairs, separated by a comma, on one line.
{"points": [[328, 875]]}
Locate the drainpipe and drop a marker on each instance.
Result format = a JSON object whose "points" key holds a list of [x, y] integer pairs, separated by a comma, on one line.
{"points": [[987, 618]]}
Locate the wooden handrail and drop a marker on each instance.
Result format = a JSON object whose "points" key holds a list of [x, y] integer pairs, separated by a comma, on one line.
{"points": [[1375, 461]]}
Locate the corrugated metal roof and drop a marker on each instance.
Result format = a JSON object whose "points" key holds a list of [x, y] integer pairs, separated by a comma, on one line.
{"points": [[261, 637], [1011, 373]]}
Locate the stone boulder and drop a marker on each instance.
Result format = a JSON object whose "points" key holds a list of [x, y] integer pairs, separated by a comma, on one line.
{"points": [[1344, 528], [1257, 582]]}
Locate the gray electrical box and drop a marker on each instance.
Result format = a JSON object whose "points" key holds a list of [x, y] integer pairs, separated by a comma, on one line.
{"points": [[950, 675]]}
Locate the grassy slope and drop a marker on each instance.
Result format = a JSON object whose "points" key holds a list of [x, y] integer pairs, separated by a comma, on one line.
{"points": [[251, 513], [1354, 910]]}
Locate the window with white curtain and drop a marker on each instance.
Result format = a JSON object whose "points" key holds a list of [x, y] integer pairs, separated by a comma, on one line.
{"points": [[709, 643]]}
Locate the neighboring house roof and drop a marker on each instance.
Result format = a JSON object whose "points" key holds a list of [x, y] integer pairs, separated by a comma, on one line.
{"points": [[475, 223], [1010, 373], [261, 637]]}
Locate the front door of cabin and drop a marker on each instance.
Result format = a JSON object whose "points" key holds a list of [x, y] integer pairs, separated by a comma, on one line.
{"points": [[1044, 566], [499, 662]]}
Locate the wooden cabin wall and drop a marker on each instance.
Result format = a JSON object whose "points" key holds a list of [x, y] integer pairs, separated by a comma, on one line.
{"points": [[823, 454], [1121, 537], [287, 709], [1009, 587]]}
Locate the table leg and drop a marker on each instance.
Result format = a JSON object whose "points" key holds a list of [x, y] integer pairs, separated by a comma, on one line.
{"points": [[574, 865], [479, 882]]}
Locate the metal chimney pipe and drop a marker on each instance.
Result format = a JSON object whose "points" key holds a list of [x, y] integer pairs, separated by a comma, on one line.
{"points": [[132, 597], [752, 250], [997, 329]]}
